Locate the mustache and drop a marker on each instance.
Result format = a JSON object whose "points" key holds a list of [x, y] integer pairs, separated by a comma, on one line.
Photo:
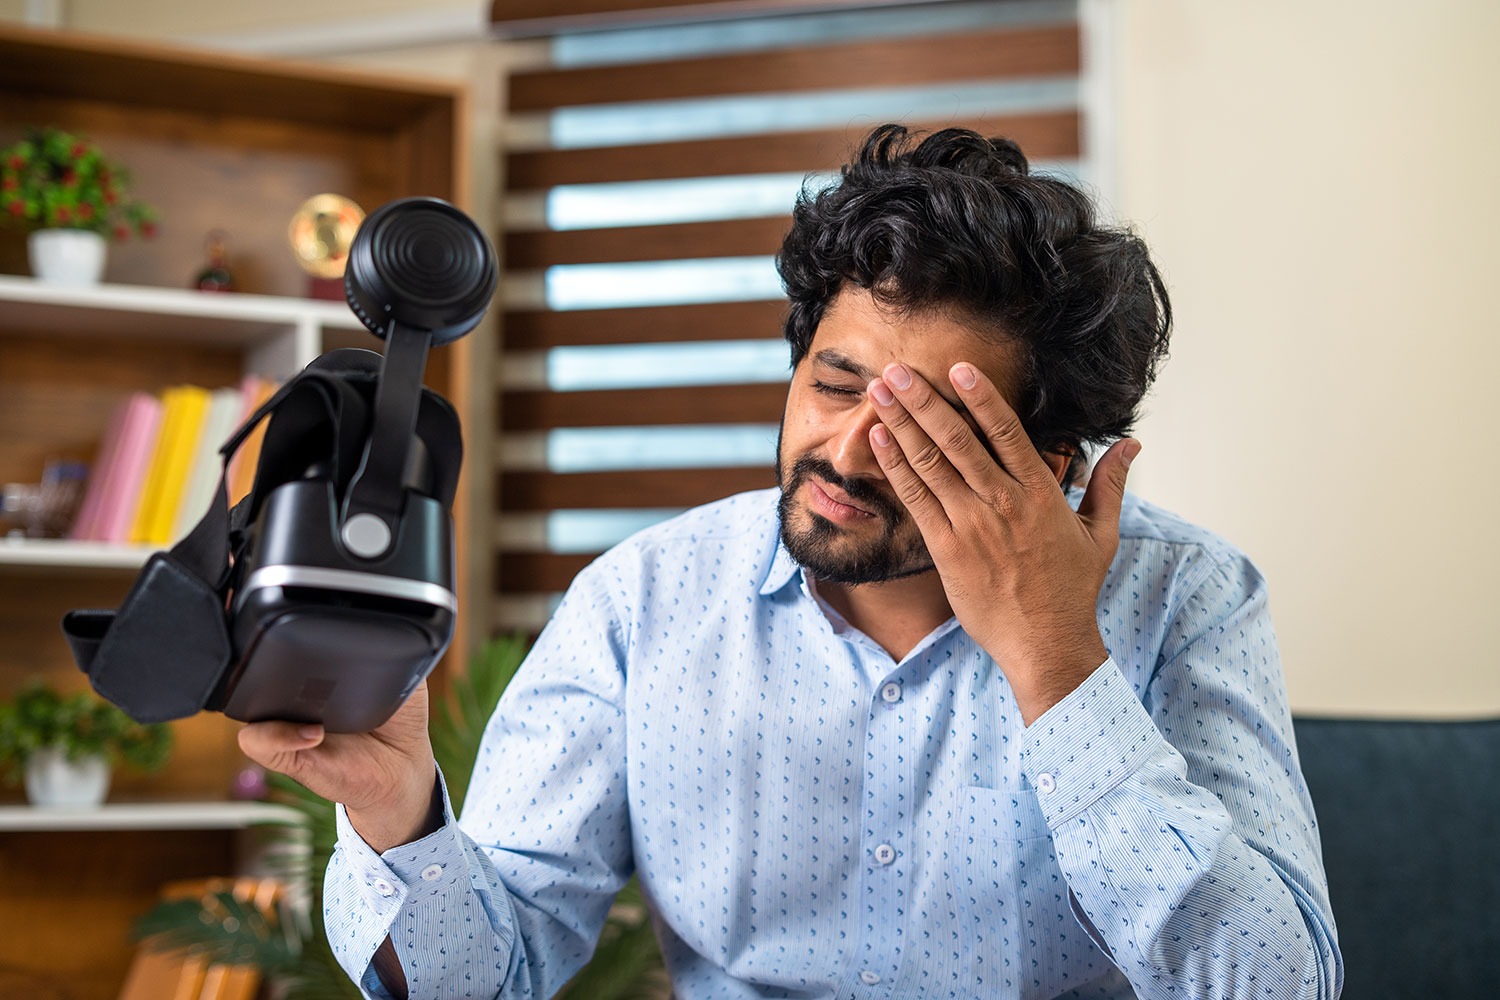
{"points": [[863, 492]]}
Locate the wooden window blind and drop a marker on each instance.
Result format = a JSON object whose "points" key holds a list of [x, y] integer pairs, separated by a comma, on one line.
{"points": [[649, 177]]}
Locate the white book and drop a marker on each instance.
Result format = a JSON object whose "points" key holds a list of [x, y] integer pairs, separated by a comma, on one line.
{"points": [[203, 475]]}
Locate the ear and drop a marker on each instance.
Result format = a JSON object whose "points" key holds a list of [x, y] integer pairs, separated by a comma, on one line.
{"points": [[1058, 462]]}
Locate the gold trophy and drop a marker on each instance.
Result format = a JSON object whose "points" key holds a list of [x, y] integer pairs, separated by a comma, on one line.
{"points": [[320, 233]]}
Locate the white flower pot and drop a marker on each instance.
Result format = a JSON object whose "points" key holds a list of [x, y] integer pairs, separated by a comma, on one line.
{"points": [[53, 780], [66, 256]]}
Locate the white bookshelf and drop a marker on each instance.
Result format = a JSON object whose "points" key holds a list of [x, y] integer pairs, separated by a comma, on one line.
{"points": [[279, 335], [60, 553], [145, 816]]}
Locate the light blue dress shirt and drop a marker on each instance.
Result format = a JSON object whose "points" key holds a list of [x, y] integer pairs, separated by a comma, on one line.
{"points": [[812, 819]]}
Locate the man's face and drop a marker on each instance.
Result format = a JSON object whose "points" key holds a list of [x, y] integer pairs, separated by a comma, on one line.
{"points": [[839, 516]]}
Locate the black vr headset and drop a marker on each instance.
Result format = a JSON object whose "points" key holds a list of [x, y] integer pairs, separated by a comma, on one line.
{"points": [[326, 595]]}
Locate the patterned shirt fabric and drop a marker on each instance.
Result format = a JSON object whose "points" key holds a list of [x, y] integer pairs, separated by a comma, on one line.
{"points": [[812, 819]]}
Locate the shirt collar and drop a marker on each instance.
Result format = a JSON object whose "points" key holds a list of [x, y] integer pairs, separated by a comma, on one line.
{"points": [[783, 568]]}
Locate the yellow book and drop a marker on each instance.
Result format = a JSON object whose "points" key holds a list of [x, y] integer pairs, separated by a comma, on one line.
{"points": [[182, 443], [151, 484]]}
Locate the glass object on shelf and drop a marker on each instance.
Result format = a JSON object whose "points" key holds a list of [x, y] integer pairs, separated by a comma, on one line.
{"points": [[45, 509], [215, 276]]}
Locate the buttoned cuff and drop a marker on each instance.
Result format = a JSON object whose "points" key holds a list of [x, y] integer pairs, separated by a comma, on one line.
{"points": [[409, 872], [1096, 737]]}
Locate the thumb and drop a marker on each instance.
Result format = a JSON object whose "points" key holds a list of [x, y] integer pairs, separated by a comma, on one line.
{"points": [[276, 745], [1105, 494]]}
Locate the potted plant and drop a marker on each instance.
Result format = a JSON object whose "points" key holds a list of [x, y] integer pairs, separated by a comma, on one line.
{"points": [[63, 190], [65, 745]]}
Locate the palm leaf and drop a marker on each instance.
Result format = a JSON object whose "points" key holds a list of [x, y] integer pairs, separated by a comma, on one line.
{"points": [[220, 929], [625, 953], [464, 714]]}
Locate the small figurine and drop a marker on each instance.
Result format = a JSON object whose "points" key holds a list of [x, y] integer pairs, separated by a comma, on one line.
{"points": [[216, 277]]}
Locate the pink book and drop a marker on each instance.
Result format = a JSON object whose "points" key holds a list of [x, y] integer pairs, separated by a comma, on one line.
{"points": [[106, 465], [137, 442]]}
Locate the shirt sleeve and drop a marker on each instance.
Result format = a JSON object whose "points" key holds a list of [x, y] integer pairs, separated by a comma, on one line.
{"points": [[1180, 817], [509, 901]]}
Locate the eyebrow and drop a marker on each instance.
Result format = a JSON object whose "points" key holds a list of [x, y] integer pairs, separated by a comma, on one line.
{"points": [[844, 363]]}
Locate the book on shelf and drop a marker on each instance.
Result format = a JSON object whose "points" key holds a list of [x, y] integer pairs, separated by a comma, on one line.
{"points": [[122, 490], [254, 391], [204, 471], [158, 464]]}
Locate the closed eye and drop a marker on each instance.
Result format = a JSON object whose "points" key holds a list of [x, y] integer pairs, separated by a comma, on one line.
{"points": [[834, 390]]}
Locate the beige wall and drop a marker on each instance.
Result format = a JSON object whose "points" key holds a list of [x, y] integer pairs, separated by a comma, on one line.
{"points": [[1317, 180]]}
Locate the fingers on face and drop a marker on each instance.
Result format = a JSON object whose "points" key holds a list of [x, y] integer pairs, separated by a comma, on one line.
{"points": [[1000, 425], [938, 442], [909, 486]]}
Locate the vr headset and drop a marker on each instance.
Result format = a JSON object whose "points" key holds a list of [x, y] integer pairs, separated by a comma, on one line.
{"points": [[326, 595]]}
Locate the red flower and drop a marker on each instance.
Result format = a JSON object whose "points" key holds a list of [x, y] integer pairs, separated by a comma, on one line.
{"points": [[148, 229], [122, 233], [85, 211], [69, 178], [9, 184], [110, 197], [17, 162], [78, 149], [62, 213], [17, 207]]}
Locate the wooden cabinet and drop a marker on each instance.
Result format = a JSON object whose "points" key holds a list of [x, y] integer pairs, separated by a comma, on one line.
{"points": [[213, 141]]}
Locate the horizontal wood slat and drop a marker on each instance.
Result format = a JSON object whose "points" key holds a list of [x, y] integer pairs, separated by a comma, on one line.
{"points": [[538, 16], [993, 54], [732, 238], [538, 572], [530, 410], [1053, 135], [537, 330], [533, 491]]}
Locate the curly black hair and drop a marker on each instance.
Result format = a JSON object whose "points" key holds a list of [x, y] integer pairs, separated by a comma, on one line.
{"points": [[957, 223]]}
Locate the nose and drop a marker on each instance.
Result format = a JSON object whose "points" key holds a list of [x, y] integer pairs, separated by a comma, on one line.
{"points": [[849, 449]]}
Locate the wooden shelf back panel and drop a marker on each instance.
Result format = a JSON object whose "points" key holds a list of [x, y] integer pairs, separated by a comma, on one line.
{"points": [[1054, 135], [70, 64], [734, 238], [539, 329], [245, 176], [978, 55], [542, 491], [228, 142], [63, 391], [530, 410]]}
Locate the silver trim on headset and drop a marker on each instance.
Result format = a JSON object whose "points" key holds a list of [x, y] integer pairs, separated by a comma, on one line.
{"points": [[344, 579]]}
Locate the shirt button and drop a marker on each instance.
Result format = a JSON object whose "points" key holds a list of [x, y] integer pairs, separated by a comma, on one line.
{"points": [[431, 873], [383, 887], [891, 692], [885, 854], [1046, 783], [869, 978]]}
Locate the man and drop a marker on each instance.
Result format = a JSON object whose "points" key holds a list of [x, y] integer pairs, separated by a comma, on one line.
{"points": [[929, 720]]}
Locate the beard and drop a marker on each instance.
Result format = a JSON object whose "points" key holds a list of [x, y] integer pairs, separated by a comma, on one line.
{"points": [[841, 555]]}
